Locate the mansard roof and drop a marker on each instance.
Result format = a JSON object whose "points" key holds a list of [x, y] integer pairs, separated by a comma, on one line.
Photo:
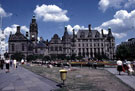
{"points": [[86, 33], [41, 45], [56, 36], [55, 39]]}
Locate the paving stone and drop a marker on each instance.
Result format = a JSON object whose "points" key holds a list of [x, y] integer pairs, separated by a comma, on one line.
{"points": [[21, 79], [127, 79], [8, 88]]}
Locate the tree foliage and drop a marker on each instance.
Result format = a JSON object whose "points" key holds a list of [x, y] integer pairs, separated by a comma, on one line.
{"points": [[125, 52], [18, 56]]}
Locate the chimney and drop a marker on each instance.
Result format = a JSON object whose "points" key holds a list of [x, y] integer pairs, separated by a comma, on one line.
{"points": [[73, 32], [65, 28], [18, 29], [102, 31], [109, 30], [89, 26]]}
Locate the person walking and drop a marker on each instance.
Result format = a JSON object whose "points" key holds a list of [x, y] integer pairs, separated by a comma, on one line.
{"points": [[15, 63], [7, 61], [2, 64], [11, 62], [95, 64], [119, 66], [130, 69]]}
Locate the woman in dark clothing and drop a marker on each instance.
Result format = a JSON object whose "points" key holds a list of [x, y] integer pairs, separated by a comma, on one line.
{"points": [[7, 61], [1, 64]]}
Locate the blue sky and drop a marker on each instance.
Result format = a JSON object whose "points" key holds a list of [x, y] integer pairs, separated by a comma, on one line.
{"points": [[53, 15]]}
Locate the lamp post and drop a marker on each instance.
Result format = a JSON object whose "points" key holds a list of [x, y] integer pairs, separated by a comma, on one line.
{"points": [[27, 44]]}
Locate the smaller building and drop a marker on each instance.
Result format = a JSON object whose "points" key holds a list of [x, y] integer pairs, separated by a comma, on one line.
{"points": [[26, 44]]}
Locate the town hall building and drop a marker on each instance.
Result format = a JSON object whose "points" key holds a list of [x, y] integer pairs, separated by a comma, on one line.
{"points": [[86, 43]]}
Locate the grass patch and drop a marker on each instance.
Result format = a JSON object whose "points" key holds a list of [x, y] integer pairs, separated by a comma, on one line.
{"points": [[84, 79]]}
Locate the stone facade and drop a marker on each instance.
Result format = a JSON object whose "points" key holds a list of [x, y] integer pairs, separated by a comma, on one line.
{"points": [[86, 43], [26, 44]]}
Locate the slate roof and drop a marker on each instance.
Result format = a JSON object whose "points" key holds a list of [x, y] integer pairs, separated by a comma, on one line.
{"points": [[41, 45], [86, 32], [17, 37]]}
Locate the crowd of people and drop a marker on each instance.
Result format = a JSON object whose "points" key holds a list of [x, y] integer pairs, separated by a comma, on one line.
{"points": [[125, 66], [7, 63]]}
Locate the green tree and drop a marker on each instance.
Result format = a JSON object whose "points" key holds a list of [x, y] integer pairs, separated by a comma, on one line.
{"points": [[61, 56], [79, 57], [6, 55], [30, 58], [122, 52], [18, 56], [73, 56]]}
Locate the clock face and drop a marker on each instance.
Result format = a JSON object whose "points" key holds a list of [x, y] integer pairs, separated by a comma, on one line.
{"points": [[32, 36]]}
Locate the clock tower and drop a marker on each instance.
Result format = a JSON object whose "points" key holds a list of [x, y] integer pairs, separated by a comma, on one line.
{"points": [[33, 30]]}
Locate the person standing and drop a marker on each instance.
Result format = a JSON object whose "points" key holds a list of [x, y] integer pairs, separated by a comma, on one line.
{"points": [[119, 66], [1, 64], [95, 64], [15, 64], [11, 62], [7, 61], [22, 61]]}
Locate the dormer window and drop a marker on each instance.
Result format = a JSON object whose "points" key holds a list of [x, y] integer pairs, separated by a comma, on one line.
{"points": [[82, 35], [89, 35], [97, 34]]}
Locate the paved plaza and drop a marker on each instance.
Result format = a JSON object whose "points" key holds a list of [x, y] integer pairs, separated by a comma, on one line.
{"points": [[21, 79], [124, 77]]}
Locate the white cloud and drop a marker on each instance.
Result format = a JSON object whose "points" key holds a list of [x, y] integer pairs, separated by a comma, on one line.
{"points": [[13, 29], [3, 13], [24, 28], [105, 4], [76, 28], [117, 35], [121, 23], [51, 13], [120, 35]]}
